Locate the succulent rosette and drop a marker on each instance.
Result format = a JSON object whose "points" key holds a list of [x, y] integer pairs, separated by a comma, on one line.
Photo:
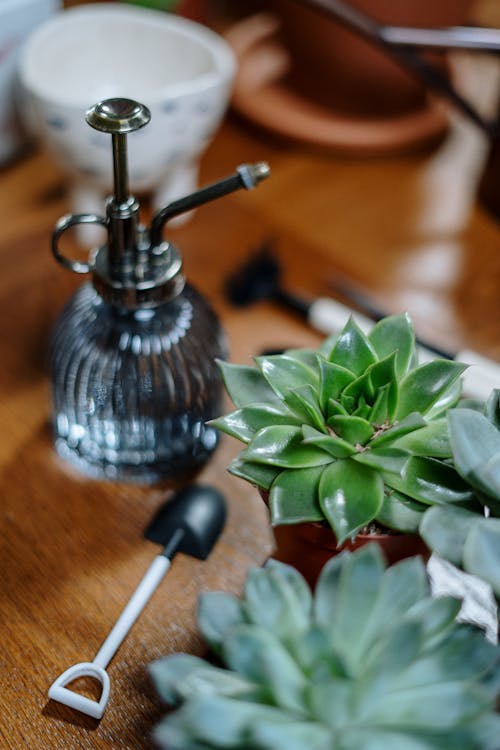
{"points": [[470, 537], [370, 661], [352, 433]]}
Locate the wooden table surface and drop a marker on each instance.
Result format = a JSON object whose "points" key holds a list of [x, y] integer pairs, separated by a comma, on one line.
{"points": [[409, 230]]}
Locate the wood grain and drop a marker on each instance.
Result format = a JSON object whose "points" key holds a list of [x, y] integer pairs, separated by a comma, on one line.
{"points": [[409, 230]]}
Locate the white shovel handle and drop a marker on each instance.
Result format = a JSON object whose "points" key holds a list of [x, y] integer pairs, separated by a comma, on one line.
{"points": [[133, 609], [97, 668]]}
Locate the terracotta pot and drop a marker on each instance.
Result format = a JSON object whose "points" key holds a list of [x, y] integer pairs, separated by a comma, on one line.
{"points": [[336, 67], [308, 546]]}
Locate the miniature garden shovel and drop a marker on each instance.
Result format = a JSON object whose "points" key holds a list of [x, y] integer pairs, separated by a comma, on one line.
{"points": [[190, 522]]}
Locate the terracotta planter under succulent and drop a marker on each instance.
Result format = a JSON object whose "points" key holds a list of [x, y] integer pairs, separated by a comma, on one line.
{"points": [[309, 546], [349, 435]]}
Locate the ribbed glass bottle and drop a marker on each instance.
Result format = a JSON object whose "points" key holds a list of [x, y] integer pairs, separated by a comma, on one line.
{"points": [[132, 390]]}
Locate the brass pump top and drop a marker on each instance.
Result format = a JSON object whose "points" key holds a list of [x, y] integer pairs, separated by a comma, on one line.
{"points": [[137, 267]]}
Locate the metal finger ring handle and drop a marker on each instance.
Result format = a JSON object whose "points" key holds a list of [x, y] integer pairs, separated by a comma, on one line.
{"points": [[66, 222]]}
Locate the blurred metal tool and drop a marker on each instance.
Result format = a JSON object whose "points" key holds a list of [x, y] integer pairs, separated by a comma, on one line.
{"points": [[259, 278], [403, 44]]}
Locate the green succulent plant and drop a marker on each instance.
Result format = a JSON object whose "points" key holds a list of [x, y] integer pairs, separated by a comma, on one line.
{"points": [[466, 537], [350, 433], [369, 662], [155, 4]]}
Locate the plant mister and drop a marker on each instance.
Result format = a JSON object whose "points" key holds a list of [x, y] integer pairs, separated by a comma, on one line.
{"points": [[133, 370]]}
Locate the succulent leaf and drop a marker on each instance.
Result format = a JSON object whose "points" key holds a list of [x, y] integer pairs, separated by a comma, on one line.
{"points": [[482, 552], [294, 496], [356, 596], [295, 735], [355, 430], [217, 721], [360, 388], [303, 402], [410, 423], [218, 613], [326, 347], [187, 675], [284, 446], [402, 586], [375, 663], [384, 459], [313, 654], [385, 404], [437, 707], [430, 481], [350, 496], [405, 739], [492, 408], [307, 356], [401, 512], [388, 658], [335, 408], [258, 474], [275, 603], [332, 444], [445, 529], [246, 385], [341, 693], [474, 440], [290, 578], [436, 616], [260, 656], [383, 372], [432, 440], [448, 399], [327, 588], [245, 422], [284, 373], [333, 380], [353, 350], [423, 387], [486, 478], [395, 334], [464, 653], [360, 409]]}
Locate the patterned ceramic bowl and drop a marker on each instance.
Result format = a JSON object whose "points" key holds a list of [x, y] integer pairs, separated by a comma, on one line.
{"points": [[18, 18], [181, 70]]}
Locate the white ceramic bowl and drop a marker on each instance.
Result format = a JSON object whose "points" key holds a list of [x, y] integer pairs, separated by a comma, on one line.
{"points": [[18, 18], [181, 70]]}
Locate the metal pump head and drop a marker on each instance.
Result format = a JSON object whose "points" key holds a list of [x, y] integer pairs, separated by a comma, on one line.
{"points": [[137, 267], [118, 117]]}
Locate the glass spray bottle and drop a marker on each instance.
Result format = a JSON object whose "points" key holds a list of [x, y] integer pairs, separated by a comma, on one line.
{"points": [[133, 371]]}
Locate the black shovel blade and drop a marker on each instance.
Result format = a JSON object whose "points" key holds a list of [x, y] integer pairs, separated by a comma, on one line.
{"points": [[199, 511]]}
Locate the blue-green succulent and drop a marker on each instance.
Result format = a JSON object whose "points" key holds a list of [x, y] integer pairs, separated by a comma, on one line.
{"points": [[369, 662], [470, 537]]}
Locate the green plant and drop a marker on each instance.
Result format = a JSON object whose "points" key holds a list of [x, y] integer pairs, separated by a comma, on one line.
{"points": [[466, 538], [370, 662], [155, 4], [351, 433]]}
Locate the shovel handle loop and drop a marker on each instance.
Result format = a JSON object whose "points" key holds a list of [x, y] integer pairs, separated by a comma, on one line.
{"points": [[62, 694]]}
